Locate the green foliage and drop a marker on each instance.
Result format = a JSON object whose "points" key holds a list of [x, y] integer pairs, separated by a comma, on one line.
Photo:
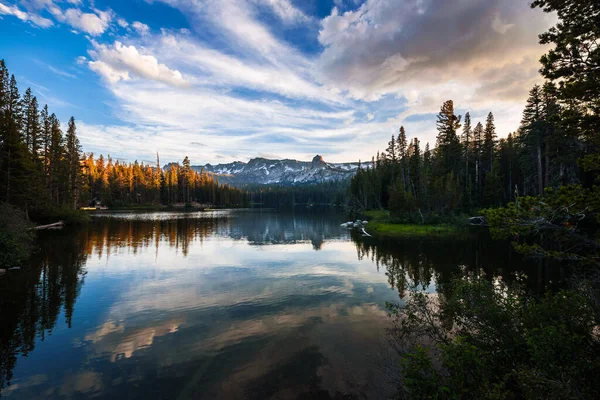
{"points": [[556, 145], [39, 167], [15, 236], [482, 340], [556, 225], [276, 196], [68, 215], [383, 223], [574, 60]]}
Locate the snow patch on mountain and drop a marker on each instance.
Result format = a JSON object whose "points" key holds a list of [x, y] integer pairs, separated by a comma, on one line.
{"points": [[265, 171]]}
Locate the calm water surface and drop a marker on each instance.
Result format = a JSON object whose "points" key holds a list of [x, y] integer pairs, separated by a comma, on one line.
{"points": [[225, 304]]}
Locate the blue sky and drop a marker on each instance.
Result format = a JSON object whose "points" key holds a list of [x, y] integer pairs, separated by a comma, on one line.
{"points": [[225, 80]]}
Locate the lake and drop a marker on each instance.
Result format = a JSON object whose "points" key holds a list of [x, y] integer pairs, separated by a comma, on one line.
{"points": [[243, 304]]}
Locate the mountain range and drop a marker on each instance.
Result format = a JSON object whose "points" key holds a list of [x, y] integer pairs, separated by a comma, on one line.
{"points": [[264, 171]]}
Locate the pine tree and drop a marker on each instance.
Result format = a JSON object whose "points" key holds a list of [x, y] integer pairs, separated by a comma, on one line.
{"points": [[401, 151], [477, 145], [4, 138], [73, 163], [415, 167], [448, 150], [14, 152], [532, 129], [46, 142], [32, 167], [489, 143], [574, 62], [56, 176], [391, 150], [466, 143]]}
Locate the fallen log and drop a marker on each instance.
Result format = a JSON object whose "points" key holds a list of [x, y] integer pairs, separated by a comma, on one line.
{"points": [[478, 221], [56, 225], [365, 233]]}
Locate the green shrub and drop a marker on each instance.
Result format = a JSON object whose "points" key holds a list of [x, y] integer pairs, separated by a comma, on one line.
{"points": [[481, 340], [51, 215], [16, 236]]}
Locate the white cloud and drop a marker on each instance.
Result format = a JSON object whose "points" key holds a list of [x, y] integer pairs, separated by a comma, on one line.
{"points": [[307, 104], [216, 68], [92, 23], [120, 62], [386, 47], [61, 72], [25, 16], [285, 10], [141, 28], [110, 74], [122, 23]]}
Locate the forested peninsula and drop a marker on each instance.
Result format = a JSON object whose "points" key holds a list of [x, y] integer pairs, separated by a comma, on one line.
{"points": [[537, 186]]}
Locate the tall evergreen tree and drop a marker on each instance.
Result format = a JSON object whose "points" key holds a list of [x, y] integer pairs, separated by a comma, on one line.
{"points": [[448, 145], [489, 142], [391, 150], [532, 129], [477, 153], [56, 159], [466, 143], [73, 164], [14, 147], [401, 151]]}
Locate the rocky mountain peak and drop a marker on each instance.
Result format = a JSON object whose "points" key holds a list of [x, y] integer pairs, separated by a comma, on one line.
{"points": [[282, 172], [318, 161]]}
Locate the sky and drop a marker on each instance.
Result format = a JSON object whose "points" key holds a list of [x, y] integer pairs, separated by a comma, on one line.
{"points": [[227, 80]]}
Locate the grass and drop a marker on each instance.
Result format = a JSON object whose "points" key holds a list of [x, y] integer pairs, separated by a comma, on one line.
{"points": [[380, 224]]}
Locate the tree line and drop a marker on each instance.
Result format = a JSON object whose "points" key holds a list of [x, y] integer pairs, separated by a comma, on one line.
{"points": [[275, 196], [43, 168], [39, 163], [555, 146], [469, 168], [117, 183]]}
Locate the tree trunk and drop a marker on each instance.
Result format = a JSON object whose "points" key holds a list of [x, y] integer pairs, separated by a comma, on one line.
{"points": [[477, 177], [8, 178], [547, 172], [540, 170]]}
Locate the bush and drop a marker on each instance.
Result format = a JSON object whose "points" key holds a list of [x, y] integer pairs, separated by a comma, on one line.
{"points": [[51, 215], [490, 341], [15, 236], [560, 225]]}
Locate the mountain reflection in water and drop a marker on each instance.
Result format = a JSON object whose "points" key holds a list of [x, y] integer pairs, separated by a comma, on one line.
{"points": [[241, 304]]}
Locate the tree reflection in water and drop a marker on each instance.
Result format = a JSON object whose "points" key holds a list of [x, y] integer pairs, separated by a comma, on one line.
{"points": [[432, 263], [33, 300]]}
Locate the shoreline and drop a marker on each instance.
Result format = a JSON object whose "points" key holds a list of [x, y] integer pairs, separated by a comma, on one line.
{"points": [[379, 225]]}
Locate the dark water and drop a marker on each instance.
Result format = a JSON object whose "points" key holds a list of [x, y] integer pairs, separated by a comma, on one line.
{"points": [[225, 305]]}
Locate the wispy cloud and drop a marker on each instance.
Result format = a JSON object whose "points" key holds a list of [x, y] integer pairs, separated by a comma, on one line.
{"points": [[25, 16], [94, 23], [239, 82]]}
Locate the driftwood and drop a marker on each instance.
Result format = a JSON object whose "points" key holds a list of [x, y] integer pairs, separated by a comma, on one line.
{"points": [[56, 225], [478, 221]]}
